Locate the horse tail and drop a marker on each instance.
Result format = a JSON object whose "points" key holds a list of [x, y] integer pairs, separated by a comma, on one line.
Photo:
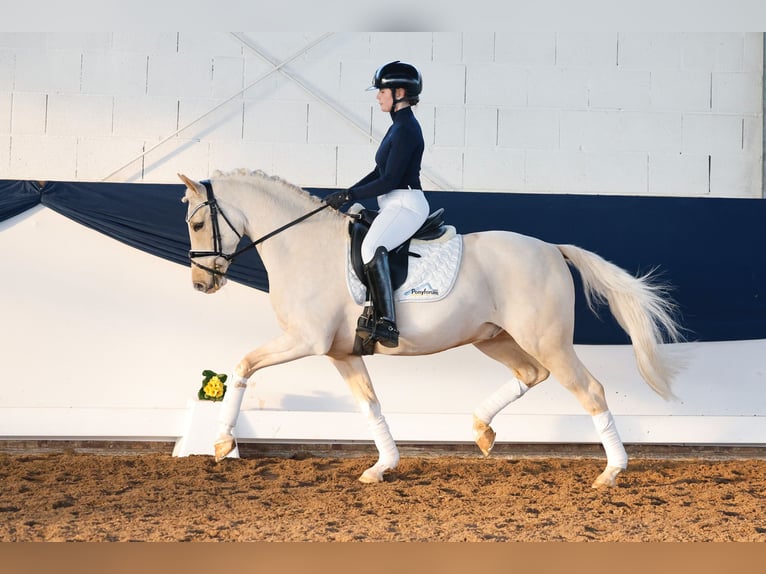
{"points": [[642, 307]]}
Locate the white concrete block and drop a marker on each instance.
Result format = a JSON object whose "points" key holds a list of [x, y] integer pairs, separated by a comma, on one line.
{"points": [[29, 113], [112, 73], [279, 46], [6, 109], [79, 41], [345, 126], [340, 46], [752, 136], [650, 51], [7, 65], [752, 60], [493, 169], [43, 157], [355, 77], [735, 175], [619, 89], [147, 43], [146, 117], [23, 40], [450, 126], [210, 43], [275, 122], [176, 75], [737, 92], [306, 165], [228, 76], [558, 88], [426, 116], [354, 162], [442, 169], [621, 131], [478, 47], [621, 173], [176, 156], [447, 46], [528, 128], [687, 90], [481, 126], [555, 171], [678, 174], [496, 84], [443, 82], [260, 79], [207, 121], [712, 133], [303, 79], [53, 72], [713, 51], [526, 49], [97, 157], [79, 115], [230, 155], [589, 49]]}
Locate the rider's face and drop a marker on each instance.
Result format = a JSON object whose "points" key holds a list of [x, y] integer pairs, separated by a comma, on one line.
{"points": [[385, 99]]}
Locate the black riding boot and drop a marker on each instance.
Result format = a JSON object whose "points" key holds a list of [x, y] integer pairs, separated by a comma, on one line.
{"points": [[382, 298]]}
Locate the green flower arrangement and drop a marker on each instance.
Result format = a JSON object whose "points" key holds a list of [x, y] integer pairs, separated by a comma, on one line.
{"points": [[213, 387]]}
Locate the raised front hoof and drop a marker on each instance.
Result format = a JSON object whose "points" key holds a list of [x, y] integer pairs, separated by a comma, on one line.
{"points": [[484, 436], [608, 478], [224, 447]]}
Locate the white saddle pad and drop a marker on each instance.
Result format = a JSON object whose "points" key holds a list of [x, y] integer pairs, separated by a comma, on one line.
{"points": [[430, 277]]}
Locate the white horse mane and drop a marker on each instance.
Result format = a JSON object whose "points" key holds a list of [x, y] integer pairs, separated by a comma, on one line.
{"points": [[247, 175]]}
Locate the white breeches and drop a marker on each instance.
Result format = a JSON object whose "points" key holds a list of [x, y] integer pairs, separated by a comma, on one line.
{"points": [[402, 212]]}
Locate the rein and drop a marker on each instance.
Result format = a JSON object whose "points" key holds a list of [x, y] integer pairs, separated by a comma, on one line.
{"points": [[217, 246]]}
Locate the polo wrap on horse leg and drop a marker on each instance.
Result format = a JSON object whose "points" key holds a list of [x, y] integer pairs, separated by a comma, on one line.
{"points": [[607, 431], [378, 276], [230, 406], [500, 399]]}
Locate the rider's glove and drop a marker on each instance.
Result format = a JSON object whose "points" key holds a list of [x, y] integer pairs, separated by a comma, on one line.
{"points": [[337, 198]]}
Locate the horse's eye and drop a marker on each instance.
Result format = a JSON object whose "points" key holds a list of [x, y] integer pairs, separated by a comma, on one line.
{"points": [[198, 226]]}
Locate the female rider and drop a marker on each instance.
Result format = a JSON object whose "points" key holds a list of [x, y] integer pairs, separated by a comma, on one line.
{"points": [[395, 181]]}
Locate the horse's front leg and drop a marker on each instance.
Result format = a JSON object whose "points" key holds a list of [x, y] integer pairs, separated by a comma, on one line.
{"points": [[354, 372], [283, 349]]}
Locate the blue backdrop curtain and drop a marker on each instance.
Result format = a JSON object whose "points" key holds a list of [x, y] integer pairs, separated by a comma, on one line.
{"points": [[708, 249]]}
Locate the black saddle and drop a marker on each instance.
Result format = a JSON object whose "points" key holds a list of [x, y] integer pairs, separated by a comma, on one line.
{"points": [[398, 259]]}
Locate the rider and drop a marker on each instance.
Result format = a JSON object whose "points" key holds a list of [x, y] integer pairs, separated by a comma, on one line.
{"points": [[395, 181]]}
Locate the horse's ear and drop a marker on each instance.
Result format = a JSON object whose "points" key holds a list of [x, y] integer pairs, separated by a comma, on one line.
{"points": [[193, 186]]}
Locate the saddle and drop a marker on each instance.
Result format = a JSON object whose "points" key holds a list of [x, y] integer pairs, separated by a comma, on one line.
{"points": [[398, 258]]}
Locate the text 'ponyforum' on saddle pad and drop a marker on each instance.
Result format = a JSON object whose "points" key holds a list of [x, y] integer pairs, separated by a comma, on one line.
{"points": [[430, 277]]}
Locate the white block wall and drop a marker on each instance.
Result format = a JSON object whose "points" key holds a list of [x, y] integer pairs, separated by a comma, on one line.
{"points": [[630, 113]]}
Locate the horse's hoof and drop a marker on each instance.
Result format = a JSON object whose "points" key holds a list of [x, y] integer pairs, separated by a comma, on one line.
{"points": [[484, 437], [372, 475], [223, 448], [608, 478]]}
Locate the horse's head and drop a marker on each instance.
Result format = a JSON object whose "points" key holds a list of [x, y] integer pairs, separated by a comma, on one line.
{"points": [[211, 235]]}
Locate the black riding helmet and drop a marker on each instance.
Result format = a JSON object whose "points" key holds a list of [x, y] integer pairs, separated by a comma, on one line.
{"points": [[399, 75]]}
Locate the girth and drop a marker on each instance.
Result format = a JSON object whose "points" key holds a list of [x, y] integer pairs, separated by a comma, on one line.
{"points": [[398, 258]]}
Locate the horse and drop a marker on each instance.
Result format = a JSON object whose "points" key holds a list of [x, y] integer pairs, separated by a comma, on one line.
{"points": [[513, 299]]}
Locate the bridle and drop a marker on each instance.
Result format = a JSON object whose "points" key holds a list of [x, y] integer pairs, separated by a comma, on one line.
{"points": [[217, 251]]}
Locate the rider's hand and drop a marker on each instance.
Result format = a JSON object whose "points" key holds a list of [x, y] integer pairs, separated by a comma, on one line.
{"points": [[337, 198]]}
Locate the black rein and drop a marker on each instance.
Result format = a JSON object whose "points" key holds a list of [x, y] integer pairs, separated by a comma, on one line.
{"points": [[218, 248]]}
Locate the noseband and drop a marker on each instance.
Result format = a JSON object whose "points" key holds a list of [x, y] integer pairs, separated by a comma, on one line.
{"points": [[218, 245]]}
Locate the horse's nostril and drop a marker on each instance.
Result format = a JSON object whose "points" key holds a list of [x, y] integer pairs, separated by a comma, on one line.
{"points": [[200, 286]]}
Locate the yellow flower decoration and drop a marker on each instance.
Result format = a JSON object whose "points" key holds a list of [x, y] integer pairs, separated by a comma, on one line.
{"points": [[213, 387]]}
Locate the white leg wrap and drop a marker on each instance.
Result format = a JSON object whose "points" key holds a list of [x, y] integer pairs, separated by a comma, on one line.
{"points": [[500, 399], [607, 430], [388, 453], [232, 401]]}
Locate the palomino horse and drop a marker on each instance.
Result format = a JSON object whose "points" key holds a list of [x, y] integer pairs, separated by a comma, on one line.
{"points": [[513, 300]]}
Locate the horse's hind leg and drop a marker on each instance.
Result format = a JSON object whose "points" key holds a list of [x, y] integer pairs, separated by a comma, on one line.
{"points": [[354, 372], [527, 373], [567, 368]]}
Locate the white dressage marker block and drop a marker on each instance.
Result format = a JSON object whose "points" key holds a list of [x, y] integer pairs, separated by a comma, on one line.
{"points": [[200, 431]]}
